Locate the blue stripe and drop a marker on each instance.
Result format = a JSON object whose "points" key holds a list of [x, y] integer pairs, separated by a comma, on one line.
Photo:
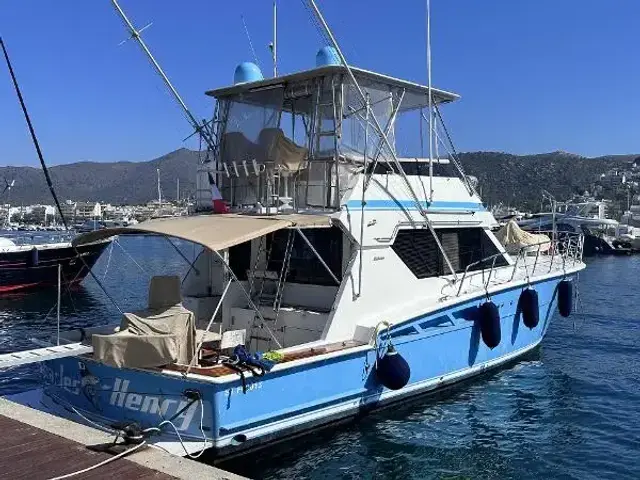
{"points": [[411, 205]]}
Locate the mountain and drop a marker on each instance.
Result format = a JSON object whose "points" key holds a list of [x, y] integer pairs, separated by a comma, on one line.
{"points": [[117, 182], [516, 180]]}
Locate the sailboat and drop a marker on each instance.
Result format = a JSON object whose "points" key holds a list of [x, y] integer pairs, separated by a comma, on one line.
{"points": [[343, 277]]}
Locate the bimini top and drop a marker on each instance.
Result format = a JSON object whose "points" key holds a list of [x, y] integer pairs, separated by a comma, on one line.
{"points": [[416, 95], [215, 232]]}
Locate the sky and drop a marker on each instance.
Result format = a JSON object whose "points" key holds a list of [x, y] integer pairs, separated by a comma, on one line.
{"points": [[534, 76]]}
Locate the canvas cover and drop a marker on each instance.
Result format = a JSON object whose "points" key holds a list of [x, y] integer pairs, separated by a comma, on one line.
{"points": [[215, 232], [513, 238], [149, 339], [163, 333]]}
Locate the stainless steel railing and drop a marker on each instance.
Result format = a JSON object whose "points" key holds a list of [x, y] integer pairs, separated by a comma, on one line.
{"points": [[566, 246]]}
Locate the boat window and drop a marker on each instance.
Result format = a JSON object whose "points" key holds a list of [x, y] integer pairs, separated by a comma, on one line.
{"points": [[414, 169], [304, 266], [464, 246]]}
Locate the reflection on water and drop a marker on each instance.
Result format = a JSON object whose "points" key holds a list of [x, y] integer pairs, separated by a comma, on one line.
{"points": [[567, 410]]}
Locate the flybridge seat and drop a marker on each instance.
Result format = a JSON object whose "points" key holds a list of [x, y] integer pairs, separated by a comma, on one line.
{"points": [[162, 334], [272, 147]]}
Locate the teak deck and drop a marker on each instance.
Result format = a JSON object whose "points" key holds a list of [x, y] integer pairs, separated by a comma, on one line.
{"points": [[221, 370], [27, 452]]}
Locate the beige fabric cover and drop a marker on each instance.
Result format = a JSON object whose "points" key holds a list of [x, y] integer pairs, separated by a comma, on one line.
{"points": [[513, 238], [280, 150], [215, 232], [162, 334]]}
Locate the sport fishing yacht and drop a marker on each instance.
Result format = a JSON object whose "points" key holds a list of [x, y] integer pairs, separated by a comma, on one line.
{"points": [[339, 275]]}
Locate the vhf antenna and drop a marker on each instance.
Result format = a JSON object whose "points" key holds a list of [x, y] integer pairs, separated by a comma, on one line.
{"points": [[202, 129], [273, 45]]}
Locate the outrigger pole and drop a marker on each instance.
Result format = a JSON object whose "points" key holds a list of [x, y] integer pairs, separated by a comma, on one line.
{"points": [[382, 134], [202, 129]]}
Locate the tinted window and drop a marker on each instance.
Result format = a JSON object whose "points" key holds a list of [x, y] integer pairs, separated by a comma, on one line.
{"points": [[464, 246], [415, 168], [304, 266]]}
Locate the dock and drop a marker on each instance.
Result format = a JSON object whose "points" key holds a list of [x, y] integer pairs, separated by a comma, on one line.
{"points": [[36, 445]]}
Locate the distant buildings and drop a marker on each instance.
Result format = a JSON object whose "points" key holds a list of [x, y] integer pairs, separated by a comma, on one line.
{"points": [[79, 212]]}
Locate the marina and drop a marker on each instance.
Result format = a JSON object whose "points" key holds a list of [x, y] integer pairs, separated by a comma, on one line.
{"points": [[553, 404], [336, 270]]}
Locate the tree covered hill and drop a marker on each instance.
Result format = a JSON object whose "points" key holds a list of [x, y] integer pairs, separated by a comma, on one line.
{"points": [[515, 180]]}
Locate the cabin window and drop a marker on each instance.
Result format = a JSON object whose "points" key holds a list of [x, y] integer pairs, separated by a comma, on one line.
{"points": [[413, 168], [464, 246], [304, 266]]}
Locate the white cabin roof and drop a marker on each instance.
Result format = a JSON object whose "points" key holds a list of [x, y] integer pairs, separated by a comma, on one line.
{"points": [[416, 95]]}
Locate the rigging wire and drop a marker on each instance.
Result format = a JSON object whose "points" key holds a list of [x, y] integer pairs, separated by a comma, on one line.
{"points": [[253, 52], [454, 155]]}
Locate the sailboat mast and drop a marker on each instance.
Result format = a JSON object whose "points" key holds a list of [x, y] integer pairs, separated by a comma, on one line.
{"points": [[159, 191], [36, 144]]}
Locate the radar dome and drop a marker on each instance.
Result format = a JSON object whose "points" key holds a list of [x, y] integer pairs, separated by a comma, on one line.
{"points": [[247, 72], [327, 56]]}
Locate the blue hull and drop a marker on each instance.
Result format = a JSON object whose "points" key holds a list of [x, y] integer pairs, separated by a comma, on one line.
{"points": [[441, 348]]}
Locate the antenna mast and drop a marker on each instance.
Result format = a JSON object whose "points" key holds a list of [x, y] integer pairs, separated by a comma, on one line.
{"points": [[430, 101], [135, 34], [274, 43]]}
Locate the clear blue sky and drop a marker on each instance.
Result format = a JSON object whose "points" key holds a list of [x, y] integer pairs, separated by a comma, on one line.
{"points": [[534, 76]]}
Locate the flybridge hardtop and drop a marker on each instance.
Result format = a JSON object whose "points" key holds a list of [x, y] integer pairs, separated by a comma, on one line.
{"points": [[417, 95]]}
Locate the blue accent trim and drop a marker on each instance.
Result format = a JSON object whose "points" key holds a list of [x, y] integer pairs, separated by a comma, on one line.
{"points": [[411, 205]]}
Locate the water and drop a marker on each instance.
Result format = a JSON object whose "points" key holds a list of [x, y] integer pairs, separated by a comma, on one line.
{"points": [[569, 410]]}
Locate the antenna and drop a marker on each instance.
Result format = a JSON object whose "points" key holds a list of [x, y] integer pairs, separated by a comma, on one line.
{"points": [[273, 46], [135, 34], [246, 31], [139, 31], [430, 101]]}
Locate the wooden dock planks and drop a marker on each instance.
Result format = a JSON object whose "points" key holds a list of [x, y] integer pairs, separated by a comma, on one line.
{"points": [[29, 453]]}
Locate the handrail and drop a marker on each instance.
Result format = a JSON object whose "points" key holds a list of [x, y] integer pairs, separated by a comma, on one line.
{"points": [[568, 245], [466, 270]]}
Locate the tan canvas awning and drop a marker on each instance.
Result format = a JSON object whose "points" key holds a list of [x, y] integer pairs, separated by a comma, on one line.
{"points": [[215, 232]]}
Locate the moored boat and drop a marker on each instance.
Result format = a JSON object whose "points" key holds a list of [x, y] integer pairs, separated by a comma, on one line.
{"points": [[28, 267], [342, 276]]}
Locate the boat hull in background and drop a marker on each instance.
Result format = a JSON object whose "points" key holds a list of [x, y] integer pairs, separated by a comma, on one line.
{"points": [[19, 272]]}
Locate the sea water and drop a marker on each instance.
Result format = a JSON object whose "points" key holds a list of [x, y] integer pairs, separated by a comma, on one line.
{"points": [[570, 409]]}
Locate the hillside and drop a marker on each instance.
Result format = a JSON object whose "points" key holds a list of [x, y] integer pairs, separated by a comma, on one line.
{"points": [[516, 180], [118, 182]]}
